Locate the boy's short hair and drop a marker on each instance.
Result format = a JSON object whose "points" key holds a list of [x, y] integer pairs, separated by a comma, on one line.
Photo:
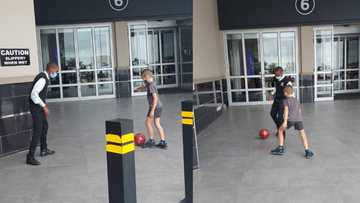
{"points": [[288, 90], [278, 68], [146, 72]]}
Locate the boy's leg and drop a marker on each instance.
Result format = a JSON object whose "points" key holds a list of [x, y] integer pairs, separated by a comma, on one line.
{"points": [[279, 150], [281, 136], [149, 127], [159, 128], [304, 139]]}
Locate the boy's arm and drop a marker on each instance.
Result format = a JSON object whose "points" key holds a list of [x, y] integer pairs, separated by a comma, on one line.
{"points": [[140, 88]]}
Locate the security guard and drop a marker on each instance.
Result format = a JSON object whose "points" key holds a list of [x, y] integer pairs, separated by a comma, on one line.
{"points": [[280, 81], [39, 112]]}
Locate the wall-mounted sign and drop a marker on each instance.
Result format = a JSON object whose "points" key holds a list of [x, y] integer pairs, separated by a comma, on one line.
{"points": [[15, 57], [305, 7], [118, 5]]}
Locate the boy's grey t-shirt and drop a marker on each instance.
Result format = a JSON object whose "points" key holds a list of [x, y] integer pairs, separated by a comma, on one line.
{"points": [[150, 90], [294, 109]]}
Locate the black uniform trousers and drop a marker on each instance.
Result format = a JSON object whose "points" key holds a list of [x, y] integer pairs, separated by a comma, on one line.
{"points": [[40, 128], [277, 112]]}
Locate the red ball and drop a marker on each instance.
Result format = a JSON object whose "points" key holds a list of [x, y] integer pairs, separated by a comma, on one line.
{"points": [[139, 139], [264, 134]]}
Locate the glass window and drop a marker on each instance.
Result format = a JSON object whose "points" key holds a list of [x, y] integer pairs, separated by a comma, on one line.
{"points": [[271, 52], [104, 75], [168, 46], [169, 79], [53, 92], [71, 91], [69, 78], [48, 47], [67, 49], [252, 54], [138, 45], [88, 90], [105, 89], [287, 49], [85, 48], [87, 77], [102, 47], [352, 52], [186, 44], [235, 54], [154, 44]]}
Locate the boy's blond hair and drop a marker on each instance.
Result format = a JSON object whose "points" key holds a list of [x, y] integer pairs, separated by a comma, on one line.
{"points": [[146, 72], [288, 90]]}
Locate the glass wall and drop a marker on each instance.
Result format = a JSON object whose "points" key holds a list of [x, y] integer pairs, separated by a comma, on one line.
{"points": [[153, 48], [84, 56], [252, 57]]}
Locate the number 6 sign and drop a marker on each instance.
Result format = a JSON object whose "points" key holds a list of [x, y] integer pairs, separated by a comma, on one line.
{"points": [[305, 7], [118, 5]]}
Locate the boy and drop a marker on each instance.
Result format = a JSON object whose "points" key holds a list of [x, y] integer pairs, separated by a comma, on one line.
{"points": [[292, 118], [154, 113], [280, 81]]}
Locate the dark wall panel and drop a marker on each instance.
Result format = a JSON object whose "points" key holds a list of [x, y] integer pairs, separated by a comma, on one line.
{"points": [[236, 14], [84, 11]]}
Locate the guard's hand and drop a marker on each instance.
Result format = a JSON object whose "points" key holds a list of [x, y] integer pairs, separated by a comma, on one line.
{"points": [[46, 111], [284, 125]]}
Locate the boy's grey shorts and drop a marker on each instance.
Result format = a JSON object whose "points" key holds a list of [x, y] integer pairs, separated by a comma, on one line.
{"points": [[157, 113], [298, 125]]}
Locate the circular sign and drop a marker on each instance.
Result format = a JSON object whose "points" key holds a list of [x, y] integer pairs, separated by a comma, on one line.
{"points": [[118, 5], [305, 7]]}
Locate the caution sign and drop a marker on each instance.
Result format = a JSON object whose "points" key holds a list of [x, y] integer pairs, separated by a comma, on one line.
{"points": [[15, 57]]}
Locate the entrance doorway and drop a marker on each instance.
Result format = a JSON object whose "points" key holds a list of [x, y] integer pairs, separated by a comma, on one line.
{"points": [[251, 58], [154, 48], [337, 61], [84, 55]]}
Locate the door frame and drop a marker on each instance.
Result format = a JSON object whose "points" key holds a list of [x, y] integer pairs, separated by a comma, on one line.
{"points": [[259, 33]]}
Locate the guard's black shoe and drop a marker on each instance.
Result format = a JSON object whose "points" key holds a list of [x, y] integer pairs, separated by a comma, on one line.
{"points": [[278, 151], [162, 144], [47, 152], [308, 154], [30, 160], [149, 144]]}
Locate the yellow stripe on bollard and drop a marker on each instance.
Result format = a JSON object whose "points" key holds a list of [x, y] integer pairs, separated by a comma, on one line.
{"points": [[120, 149], [120, 139], [187, 121], [187, 114]]}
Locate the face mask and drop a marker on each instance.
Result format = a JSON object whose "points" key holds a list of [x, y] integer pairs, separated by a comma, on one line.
{"points": [[279, 77], [53, 75]]}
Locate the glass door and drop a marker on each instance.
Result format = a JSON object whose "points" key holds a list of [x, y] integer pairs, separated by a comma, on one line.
{"points": [[323, 63], [251, 59], [153, 48], [346, 64], [84, 55]]}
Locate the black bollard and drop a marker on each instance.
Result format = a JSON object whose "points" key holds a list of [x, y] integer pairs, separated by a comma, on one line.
{"points": [[120, 150], [187, 114]]}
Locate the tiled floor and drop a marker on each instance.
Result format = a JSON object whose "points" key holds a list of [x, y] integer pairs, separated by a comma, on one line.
{"points": [[236, 167], [77, 172]]}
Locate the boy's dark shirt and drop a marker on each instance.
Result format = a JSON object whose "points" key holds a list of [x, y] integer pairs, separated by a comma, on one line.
{"points": [[150, 90], [294, 107]]}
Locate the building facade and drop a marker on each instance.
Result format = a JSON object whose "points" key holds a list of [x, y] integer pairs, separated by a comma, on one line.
{"points": [[100, 46], [315, 41]]}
